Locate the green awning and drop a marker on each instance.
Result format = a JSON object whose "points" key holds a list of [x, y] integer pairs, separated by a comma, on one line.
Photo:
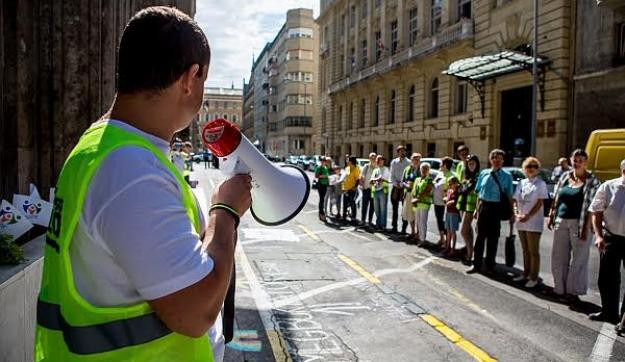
{"points": [[489, 66]]}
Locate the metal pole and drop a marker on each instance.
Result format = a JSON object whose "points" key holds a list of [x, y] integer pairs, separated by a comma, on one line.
{"points": [[534, 81]]}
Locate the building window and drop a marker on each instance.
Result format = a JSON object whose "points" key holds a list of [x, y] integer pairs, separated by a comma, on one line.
{"points": [[363, 104], [339, 119], [299, 144], [364, 53], [342, 25], [392, 108], [412, 26], [436, 16], [364, 5], [433, 104], [378, 45], [376, 112], [234, 118], [461, 97], [225, 116], [377, 3], [300, 33], [350, 116], [352, 60], [352, 16], [620, 45], [464, 9], [394, 42], [323, 119], [411, 98], [431, 149]]}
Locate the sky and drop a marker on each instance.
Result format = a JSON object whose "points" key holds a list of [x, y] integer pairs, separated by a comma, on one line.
{"points": [[239, 29]]}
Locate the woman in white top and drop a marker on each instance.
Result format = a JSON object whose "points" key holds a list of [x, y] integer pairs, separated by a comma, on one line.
{"points": [[529, 198]]}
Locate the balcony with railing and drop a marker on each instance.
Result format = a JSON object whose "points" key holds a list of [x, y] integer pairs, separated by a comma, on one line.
{"points": [[452, 34]]}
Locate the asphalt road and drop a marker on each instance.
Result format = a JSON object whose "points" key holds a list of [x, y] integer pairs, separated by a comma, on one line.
{"points": [[309, 291]]}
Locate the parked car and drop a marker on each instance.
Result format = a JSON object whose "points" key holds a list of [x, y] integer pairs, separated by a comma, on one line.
{"points": [[292, 160], [435, 163], [197, 157], [362, 162]]}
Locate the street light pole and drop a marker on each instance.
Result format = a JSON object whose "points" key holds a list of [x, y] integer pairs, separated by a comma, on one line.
{"points": [[534, 82]]}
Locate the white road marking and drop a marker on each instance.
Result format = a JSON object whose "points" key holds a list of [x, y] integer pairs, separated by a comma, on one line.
{"points": [[254, 234], [338, 285], [602, 351]]}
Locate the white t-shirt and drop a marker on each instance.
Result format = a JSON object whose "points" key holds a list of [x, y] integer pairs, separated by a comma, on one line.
{"points": [[134, 240], [386, 175], [527, 193]]}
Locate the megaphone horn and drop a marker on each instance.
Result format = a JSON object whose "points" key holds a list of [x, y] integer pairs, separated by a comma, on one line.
{"points": [[278, 193]]}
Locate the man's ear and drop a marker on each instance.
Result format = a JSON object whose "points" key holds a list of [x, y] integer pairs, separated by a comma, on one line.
{"points": [[188, 78]]}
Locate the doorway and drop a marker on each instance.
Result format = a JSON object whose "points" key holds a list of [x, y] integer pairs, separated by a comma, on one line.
{"points": [[515, 123]]}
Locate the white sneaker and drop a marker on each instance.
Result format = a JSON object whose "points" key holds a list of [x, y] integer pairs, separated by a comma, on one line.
{"points": [[531, 284], [519, 278]]}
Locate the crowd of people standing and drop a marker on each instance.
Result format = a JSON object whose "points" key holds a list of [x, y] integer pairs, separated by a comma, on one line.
{"points": [[582, 209]]}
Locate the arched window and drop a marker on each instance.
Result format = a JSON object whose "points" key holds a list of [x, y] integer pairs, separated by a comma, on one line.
{"points": [[433, 104], [376, 112], [411, 97], [392, 108]]}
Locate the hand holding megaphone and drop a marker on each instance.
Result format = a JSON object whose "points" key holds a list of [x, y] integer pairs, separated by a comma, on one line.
{"points": [[278, 193]]}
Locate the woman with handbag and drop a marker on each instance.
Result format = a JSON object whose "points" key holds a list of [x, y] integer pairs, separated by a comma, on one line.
{"points": [[529, 198], [570, 219], [494, 190]]}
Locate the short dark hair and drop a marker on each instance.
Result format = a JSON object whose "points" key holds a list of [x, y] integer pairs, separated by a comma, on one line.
{"points": [[352, 160], [579, 152], [462, 148], [448, 162], [496, 152], [158, 45]]}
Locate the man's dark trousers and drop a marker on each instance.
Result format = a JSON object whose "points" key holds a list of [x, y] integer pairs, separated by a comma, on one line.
{"points": [[610, 274], [367, 205], [396, 198], [322, 197], [488, 228], [349, 200]]}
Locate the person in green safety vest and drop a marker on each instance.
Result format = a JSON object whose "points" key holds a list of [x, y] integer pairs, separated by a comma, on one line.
{"points": [[133, 269], [441, 184], [467, 200], [422, 198]]}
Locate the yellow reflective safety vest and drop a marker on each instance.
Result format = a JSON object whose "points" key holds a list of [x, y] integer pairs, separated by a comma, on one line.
{"points": [[69, 328]]}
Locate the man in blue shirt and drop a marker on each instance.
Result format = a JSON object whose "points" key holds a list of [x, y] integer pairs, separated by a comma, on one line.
{"points": [[488, 211]]}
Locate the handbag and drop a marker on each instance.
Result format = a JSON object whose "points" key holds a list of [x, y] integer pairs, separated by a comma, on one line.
{"points": [[505, 209], [510, 248]]}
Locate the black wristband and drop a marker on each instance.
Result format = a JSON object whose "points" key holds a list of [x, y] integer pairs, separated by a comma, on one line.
{"points": [[231, 211]]}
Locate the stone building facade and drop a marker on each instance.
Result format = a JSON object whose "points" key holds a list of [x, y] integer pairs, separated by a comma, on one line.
{"points": [[599, 80], [248, 109], [382, 81], [226, 103], [288, 68], [57, 76]]}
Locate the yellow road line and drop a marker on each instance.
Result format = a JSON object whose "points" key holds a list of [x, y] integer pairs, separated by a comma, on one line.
{"points": [[309, 232], [278, 347], [457, 339], [370, 277]]}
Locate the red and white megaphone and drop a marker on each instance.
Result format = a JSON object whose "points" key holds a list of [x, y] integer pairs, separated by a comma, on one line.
{"points": [[278, 193]]}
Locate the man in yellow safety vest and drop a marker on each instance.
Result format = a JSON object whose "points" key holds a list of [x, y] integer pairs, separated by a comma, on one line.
{"points": [[133, 270]]}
